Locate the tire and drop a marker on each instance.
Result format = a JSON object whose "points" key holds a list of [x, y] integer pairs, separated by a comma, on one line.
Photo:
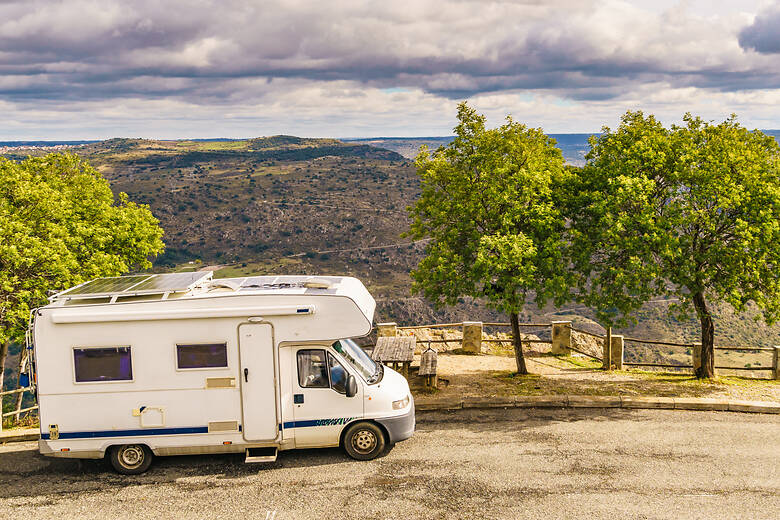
{"points": [[130, 459], [364, 441]]}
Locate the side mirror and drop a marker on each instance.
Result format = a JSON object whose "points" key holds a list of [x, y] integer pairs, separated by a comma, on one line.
{"points": [[351, 386]]}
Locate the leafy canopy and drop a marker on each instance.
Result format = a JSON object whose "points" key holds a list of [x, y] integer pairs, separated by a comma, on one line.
{"points": [[690, 210], [487, 206], [60, 226]]}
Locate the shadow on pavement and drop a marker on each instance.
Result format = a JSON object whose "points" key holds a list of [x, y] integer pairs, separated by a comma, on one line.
{"points": [[26, 473]]}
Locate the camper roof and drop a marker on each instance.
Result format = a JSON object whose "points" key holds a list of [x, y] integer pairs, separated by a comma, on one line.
{"points": [[198, 284]]}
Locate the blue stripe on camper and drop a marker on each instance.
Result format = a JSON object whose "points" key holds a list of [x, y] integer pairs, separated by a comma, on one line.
{"points": [[319, 422], [131, 433], [189, 430]]}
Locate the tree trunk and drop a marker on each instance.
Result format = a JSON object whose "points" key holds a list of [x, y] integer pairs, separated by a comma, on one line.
{"points": [[518, 343], [707, 369]]}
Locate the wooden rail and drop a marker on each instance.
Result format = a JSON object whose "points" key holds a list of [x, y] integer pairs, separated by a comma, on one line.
{"points": [[535, 325], [23, 410], [665, 365], [669, 343], [586, 354], [758, 349], [582, 331], [434, 326], [17, 391]]}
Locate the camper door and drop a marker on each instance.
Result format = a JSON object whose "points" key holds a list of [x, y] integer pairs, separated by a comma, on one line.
{"points": [[258, 382]]}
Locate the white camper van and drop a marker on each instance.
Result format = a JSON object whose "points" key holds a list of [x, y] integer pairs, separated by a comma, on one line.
{"points": [[171, 364]]}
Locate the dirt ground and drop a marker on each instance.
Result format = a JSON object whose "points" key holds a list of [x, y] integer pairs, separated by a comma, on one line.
{"points": [[462, 375]]}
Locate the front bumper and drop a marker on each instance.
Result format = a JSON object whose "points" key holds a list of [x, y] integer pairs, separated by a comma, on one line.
{"points": [[399, 428]]}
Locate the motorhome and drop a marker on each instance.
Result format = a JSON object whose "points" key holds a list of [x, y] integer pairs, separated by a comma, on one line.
{"points": [[139, 366]]}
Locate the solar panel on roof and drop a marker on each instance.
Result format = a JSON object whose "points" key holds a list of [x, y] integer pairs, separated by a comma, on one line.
{"points": [[108, 285], [135, 285], [167, 282]]}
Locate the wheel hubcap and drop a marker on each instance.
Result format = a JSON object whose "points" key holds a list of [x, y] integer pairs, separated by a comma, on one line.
{"points": [[364, 441], [131, 456]]}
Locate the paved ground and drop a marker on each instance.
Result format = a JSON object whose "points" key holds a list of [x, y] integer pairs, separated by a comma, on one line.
{"points": [[466, 464]]}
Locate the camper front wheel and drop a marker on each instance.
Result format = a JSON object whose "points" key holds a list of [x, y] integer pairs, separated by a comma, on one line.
{"points": [[364, 441], [130, 459]]}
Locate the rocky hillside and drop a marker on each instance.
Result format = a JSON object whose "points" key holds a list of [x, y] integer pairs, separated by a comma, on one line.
{"points": [[285, 204]]}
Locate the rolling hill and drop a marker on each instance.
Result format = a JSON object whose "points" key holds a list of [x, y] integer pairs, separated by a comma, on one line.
{"points": [[285, 205]]}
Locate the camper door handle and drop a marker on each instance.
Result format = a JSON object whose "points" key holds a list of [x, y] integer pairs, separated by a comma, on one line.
{"points": [[246, 375]]}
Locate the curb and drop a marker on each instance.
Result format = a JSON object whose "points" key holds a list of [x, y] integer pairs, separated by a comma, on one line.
{"points": [[600, 401], [548, 401], [20, 436]]}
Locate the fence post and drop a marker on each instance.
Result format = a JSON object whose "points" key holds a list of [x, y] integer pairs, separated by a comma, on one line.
{"points": [[776, 363], [561, 338], [385, 330], [472, 336], [617, 351], [606, 356]]}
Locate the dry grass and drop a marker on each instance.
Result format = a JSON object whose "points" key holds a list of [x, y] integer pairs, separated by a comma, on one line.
{"points": [[487, 375]]}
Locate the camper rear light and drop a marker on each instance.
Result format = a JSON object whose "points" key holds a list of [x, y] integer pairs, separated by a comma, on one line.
{"points": [[64, 449], [397, 405]]}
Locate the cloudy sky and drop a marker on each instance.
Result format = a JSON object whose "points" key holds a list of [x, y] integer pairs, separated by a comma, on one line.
{"points": [[93, 69]]}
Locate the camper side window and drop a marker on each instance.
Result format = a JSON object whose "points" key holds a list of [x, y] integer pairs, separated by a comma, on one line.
{"points": [[313, 369], [102, 364], [205, 355]]}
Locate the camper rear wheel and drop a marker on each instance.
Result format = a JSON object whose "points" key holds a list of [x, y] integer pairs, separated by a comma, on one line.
{"points": [[130, 459], [364, 441]]}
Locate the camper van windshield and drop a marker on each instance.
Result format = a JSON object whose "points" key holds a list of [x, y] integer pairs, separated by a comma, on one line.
{"points": [[371, 372]]}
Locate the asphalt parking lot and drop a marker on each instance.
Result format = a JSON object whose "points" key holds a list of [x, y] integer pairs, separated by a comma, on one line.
{"points": [[513, 463]]}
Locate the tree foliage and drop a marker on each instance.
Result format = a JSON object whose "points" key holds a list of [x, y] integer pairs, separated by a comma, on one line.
{"points": [[691, 212], [487, 206], [60, 225]]}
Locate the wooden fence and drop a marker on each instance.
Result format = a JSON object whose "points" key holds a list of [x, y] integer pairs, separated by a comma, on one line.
{"points": [[613, 346]]}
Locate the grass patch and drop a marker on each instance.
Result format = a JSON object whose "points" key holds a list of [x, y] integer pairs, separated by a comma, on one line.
{"points": [[640, 383]]}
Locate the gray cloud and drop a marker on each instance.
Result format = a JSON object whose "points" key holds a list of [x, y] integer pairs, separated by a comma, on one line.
{"points": [[84, 49], [764, 34], [243, 57]]}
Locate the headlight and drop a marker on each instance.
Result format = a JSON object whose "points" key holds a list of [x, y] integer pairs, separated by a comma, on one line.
{"points": [[397, 405]]}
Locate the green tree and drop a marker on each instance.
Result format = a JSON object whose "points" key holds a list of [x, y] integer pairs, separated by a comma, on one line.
{"points": [[487, 207], [692, 212], [59, 226]]}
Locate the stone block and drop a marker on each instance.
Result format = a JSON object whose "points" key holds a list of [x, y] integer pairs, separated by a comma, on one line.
{"points": [[754, 407], [700, 403], [648, 402], [561, 338], [489, 402], [438, 404], [472, 336], [594, 401], [387, 330], [541, 401]]}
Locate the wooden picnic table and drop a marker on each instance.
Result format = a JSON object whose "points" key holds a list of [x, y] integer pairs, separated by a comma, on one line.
{"points": [[395, 352]]}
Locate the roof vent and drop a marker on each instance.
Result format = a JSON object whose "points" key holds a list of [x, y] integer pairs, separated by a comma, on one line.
{"points": [[317, 283]]}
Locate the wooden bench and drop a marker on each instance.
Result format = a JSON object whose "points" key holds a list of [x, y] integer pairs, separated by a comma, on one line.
{"points": [[397, 352], [428, 362]]}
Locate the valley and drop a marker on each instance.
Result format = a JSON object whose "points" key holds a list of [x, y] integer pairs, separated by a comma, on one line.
{"points": [[289, 205]]}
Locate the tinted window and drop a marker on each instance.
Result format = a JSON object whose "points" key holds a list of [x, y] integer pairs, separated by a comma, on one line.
{"points": [[206, 355], [103, 364], [312, 369]]}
